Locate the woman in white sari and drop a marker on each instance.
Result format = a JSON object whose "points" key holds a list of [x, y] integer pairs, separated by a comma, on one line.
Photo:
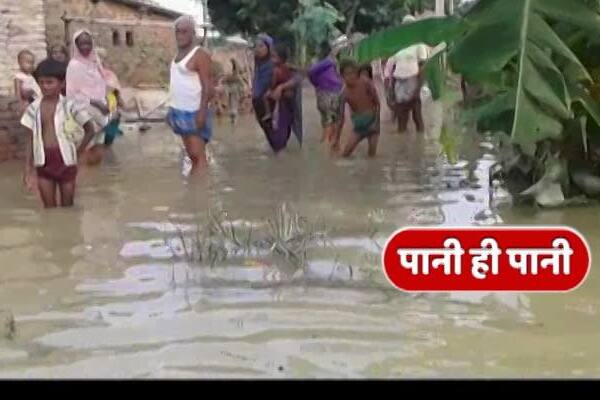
{"points": [[87, 84]]}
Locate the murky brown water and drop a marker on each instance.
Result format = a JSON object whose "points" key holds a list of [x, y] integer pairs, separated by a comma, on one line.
{"points": [[96, 293]]}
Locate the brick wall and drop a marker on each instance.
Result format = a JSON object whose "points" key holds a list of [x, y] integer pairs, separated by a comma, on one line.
{"points": [[55, 9], [146, 63], [35, 24], [12, 136], [22, 25], [143, 64]]}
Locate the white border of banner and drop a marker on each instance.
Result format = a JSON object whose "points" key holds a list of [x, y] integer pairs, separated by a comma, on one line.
{"points": [[487, 228]]}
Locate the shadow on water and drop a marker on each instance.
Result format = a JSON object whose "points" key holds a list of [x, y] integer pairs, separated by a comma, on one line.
{"points": [[136, 283]]}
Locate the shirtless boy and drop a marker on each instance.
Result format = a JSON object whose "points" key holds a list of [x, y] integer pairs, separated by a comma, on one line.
{"points": [[361, 95]]}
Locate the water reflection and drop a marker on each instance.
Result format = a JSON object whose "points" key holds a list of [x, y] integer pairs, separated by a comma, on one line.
{"points": [[105, 290]]}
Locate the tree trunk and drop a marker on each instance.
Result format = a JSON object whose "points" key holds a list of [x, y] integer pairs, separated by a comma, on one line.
{"points": [[440, 8], [352, 18], [304, 55]]}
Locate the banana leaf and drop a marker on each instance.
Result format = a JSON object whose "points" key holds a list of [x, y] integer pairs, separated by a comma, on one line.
{"points": [[520, 31], [581, 96], [491, 108], [515, 36], [435, 75], [432, 32]]}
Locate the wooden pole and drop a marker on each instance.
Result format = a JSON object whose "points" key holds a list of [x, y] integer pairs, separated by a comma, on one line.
{"points": [[66, 23]]}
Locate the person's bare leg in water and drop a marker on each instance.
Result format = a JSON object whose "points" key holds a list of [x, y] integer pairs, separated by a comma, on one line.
{"points": [[47, 192], [417, 114], [195, 148], [403, 114], [373, 141], [353, 142], [67, 194]]}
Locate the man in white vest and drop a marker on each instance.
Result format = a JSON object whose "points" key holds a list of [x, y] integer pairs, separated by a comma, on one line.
{"points": [[192, 89], [403, 74]]}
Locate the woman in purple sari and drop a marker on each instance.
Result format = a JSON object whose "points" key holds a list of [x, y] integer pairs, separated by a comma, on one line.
{"points": [[277, 94], [329, 87]]}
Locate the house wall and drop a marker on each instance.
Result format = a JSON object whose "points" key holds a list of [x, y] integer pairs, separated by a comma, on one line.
{"points": [[144, 63], [21, 27]]}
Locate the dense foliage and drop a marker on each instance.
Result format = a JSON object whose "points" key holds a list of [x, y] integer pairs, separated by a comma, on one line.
{"points": [[532, 59], [281, 18], [249, 17], [315, 24]]}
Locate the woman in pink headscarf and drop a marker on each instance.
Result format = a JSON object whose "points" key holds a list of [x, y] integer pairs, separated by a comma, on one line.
{"points": [[87, 84]]}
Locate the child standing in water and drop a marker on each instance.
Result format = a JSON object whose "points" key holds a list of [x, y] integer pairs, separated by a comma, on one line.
{"points": [[233, 87], [114, 101], [26, 88], [361, 95], [113, 129], [51, 150]]}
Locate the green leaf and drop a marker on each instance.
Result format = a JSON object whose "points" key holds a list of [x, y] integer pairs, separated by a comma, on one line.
{"points": [[523, 37], [545, 37], [435, 75], [315, 24], [474, 56], [581, 96], [432, 32], [542, 101], [487, 11], [499, 104], [511, 50], [574, 12], [532, 125], [584, 135], [545, 82], [449, 141]]}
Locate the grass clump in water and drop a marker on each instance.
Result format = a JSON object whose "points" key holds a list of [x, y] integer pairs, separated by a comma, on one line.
{"points": [[216, 240]]}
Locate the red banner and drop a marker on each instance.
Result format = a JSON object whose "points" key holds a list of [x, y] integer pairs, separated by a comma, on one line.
{"points": [[506, 259]]}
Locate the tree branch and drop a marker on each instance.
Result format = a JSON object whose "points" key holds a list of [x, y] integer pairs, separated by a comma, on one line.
{"points": [[352, 17]]}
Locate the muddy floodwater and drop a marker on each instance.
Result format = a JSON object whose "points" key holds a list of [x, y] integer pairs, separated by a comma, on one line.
{"points": [[98, 291]]}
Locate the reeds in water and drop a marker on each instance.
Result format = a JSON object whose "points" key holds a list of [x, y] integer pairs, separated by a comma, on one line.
{"points": [[215, 240]]}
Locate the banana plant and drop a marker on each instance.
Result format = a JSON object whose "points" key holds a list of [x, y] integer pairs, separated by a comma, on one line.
{"points": [[315, 24], [510, 48]]}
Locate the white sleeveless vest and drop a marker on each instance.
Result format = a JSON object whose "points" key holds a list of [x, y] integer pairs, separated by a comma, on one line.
{"points": [[186, 87]]}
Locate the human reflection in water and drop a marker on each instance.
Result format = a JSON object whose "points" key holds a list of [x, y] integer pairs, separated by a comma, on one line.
{"points": [[59, 248]]}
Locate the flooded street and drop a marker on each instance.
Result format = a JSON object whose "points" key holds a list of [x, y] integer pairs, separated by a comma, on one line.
{"points": [[98, 292]]}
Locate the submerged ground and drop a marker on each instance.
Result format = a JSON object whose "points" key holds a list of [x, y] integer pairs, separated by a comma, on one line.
{"points": [[97, 292]]}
